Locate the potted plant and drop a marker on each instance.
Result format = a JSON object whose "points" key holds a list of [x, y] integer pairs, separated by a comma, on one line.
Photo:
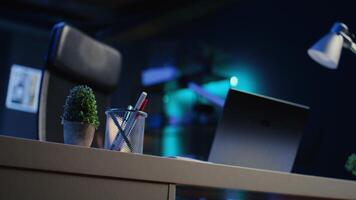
{"points": [[80, 116], [351, 164]]}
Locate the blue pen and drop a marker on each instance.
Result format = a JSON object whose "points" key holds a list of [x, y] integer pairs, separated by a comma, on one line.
{"points": [[127, 115], [123, 125]]}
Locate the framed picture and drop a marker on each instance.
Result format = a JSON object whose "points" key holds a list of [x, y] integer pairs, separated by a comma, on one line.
{"points": [[23, 89]]}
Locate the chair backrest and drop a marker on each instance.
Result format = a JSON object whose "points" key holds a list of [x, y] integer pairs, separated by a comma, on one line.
{"points": [[75, 58]]}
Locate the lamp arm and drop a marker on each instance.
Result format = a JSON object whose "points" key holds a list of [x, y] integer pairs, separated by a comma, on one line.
{"points": [[348, 43], [353, 48]]}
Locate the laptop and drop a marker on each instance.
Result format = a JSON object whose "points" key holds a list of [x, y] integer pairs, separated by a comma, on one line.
{"points": [[258, 132]]}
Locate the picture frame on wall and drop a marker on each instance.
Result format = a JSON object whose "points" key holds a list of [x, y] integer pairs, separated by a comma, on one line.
{"points": [[23, 89]]}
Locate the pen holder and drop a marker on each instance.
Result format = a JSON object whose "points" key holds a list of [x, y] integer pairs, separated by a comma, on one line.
{"points": [[125, 130]]}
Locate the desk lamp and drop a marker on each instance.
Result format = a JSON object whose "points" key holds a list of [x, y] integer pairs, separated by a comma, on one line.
{"points": [[328, 49]]}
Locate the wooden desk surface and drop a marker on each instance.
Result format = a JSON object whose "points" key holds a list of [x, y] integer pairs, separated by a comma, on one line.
{"points": [[60, 158]]}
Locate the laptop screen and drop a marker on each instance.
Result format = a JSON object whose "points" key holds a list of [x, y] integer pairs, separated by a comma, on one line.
{"points": [[258, 132]]}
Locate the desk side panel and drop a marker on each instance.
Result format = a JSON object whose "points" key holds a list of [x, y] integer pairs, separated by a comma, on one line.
{"points": [[29, 184]]}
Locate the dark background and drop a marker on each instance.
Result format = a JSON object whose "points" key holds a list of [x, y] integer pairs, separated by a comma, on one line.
{"points": [[267, 40]]}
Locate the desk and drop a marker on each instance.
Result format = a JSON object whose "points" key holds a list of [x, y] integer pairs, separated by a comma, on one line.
{"points": [[42, 170]]}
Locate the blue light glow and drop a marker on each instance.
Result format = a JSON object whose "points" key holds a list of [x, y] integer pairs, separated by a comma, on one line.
{"points": [[165, 99], [156, 75], [179, 102], [234, 81], [171, 141], [216, 100], [247, 82], [247, 78], [218, 88], [235, 194]]}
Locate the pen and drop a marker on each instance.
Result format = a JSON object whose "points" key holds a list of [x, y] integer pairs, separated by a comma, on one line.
{"points": [[130, 121], [127, 115], [119, 135], [128, 133]]}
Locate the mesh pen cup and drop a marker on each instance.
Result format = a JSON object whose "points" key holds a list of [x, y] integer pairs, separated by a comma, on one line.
{"points": [[125, 130]]}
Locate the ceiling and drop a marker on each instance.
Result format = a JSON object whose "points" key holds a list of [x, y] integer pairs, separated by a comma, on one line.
{"points": [[111, 19]]}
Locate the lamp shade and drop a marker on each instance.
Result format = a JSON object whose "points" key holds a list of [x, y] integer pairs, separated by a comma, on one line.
{"points": [[327, 50]]}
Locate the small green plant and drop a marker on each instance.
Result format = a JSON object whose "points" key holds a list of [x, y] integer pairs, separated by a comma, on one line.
{"points": [[351, 164], [80, 106]]}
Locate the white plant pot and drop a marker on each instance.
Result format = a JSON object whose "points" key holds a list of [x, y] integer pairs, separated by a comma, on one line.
{"points": [[77, 133]]}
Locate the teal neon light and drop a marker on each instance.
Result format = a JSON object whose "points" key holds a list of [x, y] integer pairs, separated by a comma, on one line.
{"points": [[247, 78], [218, 88], [171, 141], [178, 102], [234, 81]]}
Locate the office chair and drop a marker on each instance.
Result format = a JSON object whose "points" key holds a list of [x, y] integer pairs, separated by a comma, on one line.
{"points": [[74, 58]]}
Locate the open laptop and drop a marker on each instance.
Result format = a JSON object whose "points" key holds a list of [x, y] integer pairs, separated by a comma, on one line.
{"points": [[258, 132]]}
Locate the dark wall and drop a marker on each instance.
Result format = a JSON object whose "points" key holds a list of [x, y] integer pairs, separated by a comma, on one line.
{"points": [[3, 66], [24, 47], [270, 39]]}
